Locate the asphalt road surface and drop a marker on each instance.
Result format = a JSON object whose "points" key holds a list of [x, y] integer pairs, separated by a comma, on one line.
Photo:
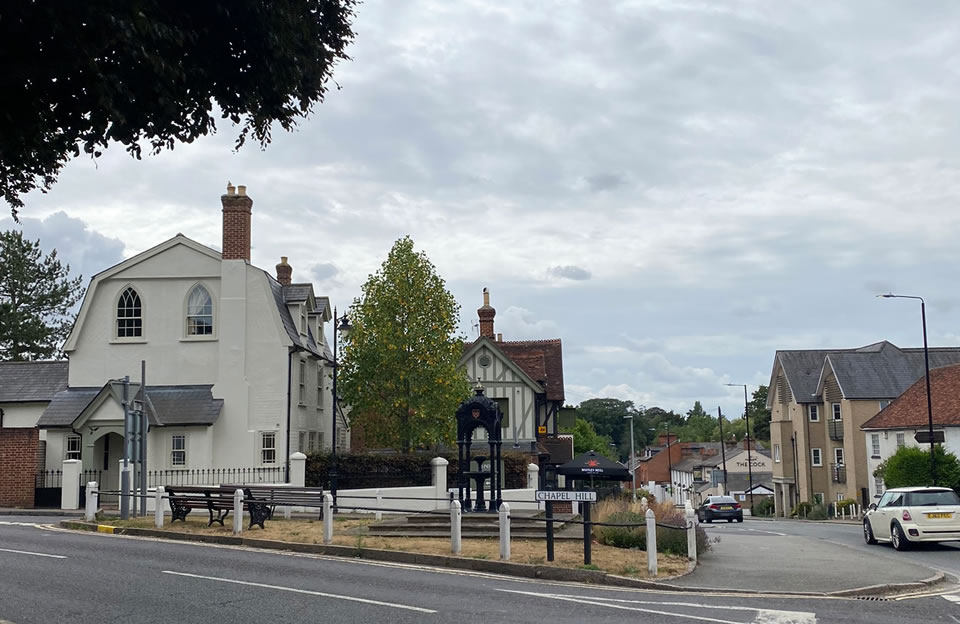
{"points": [[48, 575]]}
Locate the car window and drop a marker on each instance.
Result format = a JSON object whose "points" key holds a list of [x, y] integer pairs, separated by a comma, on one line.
{"points": [[884, 499], [896, 500], [933, 498], [724, 499]]}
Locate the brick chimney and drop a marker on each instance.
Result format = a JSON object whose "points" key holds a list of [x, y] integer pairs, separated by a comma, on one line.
{"points": [[486, 314], [284, 271], [236, 223]]}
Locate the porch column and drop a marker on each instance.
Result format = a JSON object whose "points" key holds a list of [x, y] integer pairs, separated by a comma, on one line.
{"points": [[777, 506], [70, 485], [785, 504]]}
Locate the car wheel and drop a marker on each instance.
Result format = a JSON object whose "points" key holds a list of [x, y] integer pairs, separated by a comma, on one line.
{"points": [[729, 520], [868, 533], [709, 520], [740, 519], [898, 538]]}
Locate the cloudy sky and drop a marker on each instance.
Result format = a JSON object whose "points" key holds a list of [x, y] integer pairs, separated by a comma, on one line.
{"points": [[674, 188]]}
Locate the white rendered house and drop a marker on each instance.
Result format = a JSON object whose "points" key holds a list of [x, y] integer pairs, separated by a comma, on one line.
{"points": [[238, 370]]}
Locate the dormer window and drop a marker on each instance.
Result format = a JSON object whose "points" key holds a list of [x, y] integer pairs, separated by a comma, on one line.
{"points": [[199, 312], [129, 315], [303, 320]]}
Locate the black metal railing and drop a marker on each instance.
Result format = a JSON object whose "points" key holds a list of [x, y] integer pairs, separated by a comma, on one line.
{"points": [[216, 476], [835, 429], [839, 473]]}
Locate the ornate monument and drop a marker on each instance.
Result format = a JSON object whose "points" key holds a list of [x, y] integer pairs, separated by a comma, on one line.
{"points": [[479, 412]]}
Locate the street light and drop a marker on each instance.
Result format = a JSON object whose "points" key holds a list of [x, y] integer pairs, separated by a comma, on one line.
{"points": [[343, 327], [633, 470], [746, 415], [926, 366]]}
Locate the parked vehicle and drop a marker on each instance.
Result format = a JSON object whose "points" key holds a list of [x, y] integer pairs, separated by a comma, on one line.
{"points": [[720, 508], [904, 516]]}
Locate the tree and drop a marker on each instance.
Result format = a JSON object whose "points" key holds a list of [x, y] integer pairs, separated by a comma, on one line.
{"points": [[609, 417], [910, 467], [759, 414], [586, 439], [79, 75], [400, 371], [699, 426], [36, 295]]}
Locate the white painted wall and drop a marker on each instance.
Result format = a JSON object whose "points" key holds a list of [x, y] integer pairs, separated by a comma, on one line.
{"points": [[501, 381], [22, 415], [888, 446]]}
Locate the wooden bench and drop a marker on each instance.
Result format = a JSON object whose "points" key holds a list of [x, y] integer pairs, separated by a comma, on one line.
{"points": [[279, 496], [217, 500]]}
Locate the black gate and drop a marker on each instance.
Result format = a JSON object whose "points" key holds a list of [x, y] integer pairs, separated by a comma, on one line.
{"points": [[47, 488]]}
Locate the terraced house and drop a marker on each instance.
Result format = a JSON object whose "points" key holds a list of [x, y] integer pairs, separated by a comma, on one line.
{"points": [[819, 400]]}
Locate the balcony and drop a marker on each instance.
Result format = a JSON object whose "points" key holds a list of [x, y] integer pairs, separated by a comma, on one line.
{"points": [[835, 429], [838, 473]]}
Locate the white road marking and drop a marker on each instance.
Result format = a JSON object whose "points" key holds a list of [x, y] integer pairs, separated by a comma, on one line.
{"points": [[953, 598], [764, 616], [35, 554], [302, 591]]}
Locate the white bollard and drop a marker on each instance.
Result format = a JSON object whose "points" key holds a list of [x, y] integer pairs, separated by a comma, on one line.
{"points": [[644, 504], [456, 546], [287, 512], [158, 507], [651, 543], [327, 519], [90, 506], [691, 534], [379, 514], [70, 492], [504, 532], [237, 511]]}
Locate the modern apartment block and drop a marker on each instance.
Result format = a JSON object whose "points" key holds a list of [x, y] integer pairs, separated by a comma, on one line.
{"points": [[819, 399]]}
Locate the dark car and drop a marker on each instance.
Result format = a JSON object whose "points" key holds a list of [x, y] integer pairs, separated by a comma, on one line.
{"points": [[720, 508]]}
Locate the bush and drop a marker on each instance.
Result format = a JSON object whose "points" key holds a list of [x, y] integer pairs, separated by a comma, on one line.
{"points": [[765, 507], [809, 511], [846, 504], [910, 466], [622, 511]]}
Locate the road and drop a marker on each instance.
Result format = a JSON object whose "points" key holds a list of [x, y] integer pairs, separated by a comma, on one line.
{"points": [[48, 575]]}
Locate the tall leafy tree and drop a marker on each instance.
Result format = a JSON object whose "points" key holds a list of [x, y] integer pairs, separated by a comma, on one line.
{"points": [[759, 414], [910, 467], [36, 295], [400, 370], [586, 439], [610, 417], [699, 426], [80, 75]]}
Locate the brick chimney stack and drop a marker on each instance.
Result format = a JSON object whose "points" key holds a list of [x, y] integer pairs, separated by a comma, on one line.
{"points": [[486, 314], [236, 223], [284, 272]]}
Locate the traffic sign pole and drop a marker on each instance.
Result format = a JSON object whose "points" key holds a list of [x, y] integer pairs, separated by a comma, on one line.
{"points": [[549, 530]]}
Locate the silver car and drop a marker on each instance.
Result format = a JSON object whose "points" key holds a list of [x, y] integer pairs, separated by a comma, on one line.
{"points": [[904, 516]]}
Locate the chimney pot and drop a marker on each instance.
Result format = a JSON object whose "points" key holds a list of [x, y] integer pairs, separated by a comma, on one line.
{"points": [[231, 189], [499, 337], [486, 314], [242, 190]]}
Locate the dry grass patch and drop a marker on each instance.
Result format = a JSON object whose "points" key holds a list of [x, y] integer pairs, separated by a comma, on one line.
{"points": [[352, 532]]}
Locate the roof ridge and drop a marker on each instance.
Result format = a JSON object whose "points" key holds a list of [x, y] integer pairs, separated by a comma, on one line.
{"points": [[541, 341]]}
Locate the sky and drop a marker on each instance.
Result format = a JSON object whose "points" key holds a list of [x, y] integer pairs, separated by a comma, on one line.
{"points": [[676, 189]]}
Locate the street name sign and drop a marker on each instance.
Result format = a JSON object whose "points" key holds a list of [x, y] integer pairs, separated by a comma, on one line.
{"points": [[923, 437], [566, 495]]}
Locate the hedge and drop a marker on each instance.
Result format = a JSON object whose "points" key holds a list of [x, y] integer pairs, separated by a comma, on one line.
{"points": [[371, 470]]}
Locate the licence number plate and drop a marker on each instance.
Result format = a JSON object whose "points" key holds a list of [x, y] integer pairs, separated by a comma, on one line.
{"points": [[940, 515], [725, 507]]}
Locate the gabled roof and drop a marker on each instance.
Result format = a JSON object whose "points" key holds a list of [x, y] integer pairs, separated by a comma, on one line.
{"points": [[308, 342], [909, 410], [687, 465], [802, 369], [166, 405], [471, 347], [542, 360], [22, 382]]}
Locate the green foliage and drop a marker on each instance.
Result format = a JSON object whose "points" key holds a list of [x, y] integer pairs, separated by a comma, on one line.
{"points": [[624, 537], [609, 418], [765, 507], [699, 426], [910, 467], [400, 371], [586, 439], [809, 511], [759, 414], [669, 540], [80, 75], [36, 294], [366, 470]]}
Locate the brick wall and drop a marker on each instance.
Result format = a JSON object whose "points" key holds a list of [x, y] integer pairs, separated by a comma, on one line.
{"points": [[18, 465], [236, 226]]}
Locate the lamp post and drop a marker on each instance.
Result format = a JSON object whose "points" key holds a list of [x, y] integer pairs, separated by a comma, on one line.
{"points": [[926, 366], [633, 470], [723, 449], [746, 415], [669, 462], [344, 327]]}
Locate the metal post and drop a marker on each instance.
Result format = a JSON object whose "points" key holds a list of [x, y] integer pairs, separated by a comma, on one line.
{"points": [[587, 534], [125, 472], [327, 519], [505, 532], [723, 451], [333, 426], [144, 429], [926, 366], [633, 465], [651, 543], [379, 514], [456, 546], [670, 465], [549, 530], [237, 511], [746, 415]]}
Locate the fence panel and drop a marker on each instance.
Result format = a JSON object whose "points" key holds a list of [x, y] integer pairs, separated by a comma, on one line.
{"points": [[217, 476], [47, 487]]}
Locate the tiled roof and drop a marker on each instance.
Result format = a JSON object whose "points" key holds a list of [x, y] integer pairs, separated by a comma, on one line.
{"points": [[802, 369], [166, 406], [909, 410], [740, 482], [297, 292], [542, 360], [307, 343], [687, 465], [31, 381]]}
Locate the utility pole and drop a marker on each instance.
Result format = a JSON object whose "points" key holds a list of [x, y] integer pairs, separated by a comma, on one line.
{"points": [[125, 472], [633, 470], [723, 450]]}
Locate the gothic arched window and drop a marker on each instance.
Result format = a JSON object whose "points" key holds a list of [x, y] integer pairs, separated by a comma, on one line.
{"points": [[199, 312], [129, 315]]}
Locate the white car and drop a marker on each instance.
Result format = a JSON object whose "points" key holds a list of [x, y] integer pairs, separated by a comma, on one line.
{"points": [[917, 514]]}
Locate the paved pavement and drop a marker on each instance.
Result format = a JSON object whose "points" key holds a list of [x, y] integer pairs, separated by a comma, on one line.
{"points": [[49, 575], [778, 556]]}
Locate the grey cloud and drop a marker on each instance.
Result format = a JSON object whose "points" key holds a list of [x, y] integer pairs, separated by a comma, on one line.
{"points": [[569, 271], [604, 181], [323, 271]]}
